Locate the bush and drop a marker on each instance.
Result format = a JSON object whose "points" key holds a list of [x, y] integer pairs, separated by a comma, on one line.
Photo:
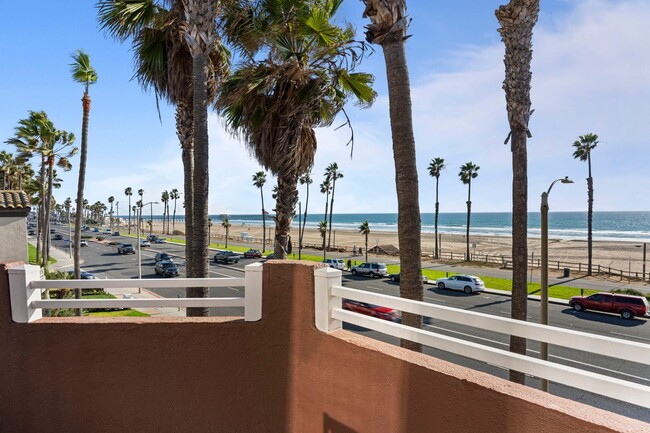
{"points": [[100, 238], [178, 233], [113, 243], [86, 236]]}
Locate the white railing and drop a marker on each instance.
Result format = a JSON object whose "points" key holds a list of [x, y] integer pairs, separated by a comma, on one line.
{"points": [[330, 314], [26, 285]]}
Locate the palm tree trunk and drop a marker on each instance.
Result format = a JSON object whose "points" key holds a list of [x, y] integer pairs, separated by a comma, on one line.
{"points": [[174, 218], [40, 239], [590, 215], [329, 236], [184, 132], [469, 213], [435, 254], [285, 207], [366, 247], [406, 179], [48, 205], [199, 247], [263, 222], [304, 220]]}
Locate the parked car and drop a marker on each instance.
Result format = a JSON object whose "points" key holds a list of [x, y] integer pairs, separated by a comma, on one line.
{"points": [[252, 254], [269, 256], [371, 269], [160, 240], [83, 275], [57, 237], [226, 257], [628, 306], [467, 283], [145, 243], [125, 249], [166, 268], [152, 238], [163, 257], [116, 233], [371, 310], [107, 231], [335, 263], [83, 243], [31, 232], [52, 231], [95, 230]]}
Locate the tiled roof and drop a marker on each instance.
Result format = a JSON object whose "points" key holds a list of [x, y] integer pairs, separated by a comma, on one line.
{"points": [[13, 200]]}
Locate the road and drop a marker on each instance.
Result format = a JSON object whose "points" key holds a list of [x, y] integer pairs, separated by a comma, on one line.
{"points": [[103, 260]]}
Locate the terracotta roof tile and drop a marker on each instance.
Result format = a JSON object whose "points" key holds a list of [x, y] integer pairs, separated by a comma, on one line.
{"points": [[14, 200]]}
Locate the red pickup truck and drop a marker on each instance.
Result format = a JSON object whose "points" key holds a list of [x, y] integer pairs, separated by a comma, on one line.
{"points": [[628, 306]]}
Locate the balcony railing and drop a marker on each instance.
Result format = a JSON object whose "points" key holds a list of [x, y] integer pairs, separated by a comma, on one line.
{"points": [[330, 314], [26, 285]]}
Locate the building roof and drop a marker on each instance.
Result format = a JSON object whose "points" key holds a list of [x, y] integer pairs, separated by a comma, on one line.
{"points": [[14, 202]]}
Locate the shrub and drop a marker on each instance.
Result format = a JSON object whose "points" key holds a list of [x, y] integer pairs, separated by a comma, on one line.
{"points": [[178, 233], [100, 238]]}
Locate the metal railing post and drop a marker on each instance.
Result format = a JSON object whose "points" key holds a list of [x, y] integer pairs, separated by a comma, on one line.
{"points": [[22, 293], [253, 292], [324, 302]]}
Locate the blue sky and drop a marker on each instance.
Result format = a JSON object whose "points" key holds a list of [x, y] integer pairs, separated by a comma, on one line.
{"points": [[590, 74]]}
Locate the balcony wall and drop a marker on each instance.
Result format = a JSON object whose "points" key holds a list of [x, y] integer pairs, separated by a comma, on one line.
{"points": [[276, 375]]}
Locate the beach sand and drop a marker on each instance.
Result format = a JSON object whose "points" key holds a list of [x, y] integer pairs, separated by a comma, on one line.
{"points": [[619, 256]]}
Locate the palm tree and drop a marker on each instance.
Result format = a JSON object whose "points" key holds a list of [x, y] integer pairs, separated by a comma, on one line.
{"points": [[82, 72], [111, 200], [305, 179], [164, 198], [333, 173], [517, 20], [171, 45], [364, 229], [326, 188], [303, 80], [174, 195], [140, 204], [322, 229], [388, 29], [259, 179], [435, 167], [468, 171], [225, 223], [583, 148], [129, 192]]}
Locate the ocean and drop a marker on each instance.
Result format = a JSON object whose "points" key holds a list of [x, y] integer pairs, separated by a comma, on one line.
{"points": [[619, 226]]}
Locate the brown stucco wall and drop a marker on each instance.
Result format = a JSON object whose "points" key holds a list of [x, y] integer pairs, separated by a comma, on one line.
{"points": [[276, 375]]}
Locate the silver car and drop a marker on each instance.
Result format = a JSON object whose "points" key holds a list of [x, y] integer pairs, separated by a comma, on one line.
{"points": [[371, 269], [467, 283]]}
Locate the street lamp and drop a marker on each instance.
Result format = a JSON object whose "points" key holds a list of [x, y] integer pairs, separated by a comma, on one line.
{"points": [[543, 351]]}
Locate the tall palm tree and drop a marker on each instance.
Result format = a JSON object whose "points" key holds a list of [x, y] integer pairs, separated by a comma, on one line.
{"points": [[388, 29], [435, 168], [129, 192], [174, 195], [333, 173], [468, 171], [583, 148], [322, 229], [67, 204], [82, 72], [259, 179], [364, 229], [517, 20], [167, 41], [326, 188], [225, 223], [164, 198], [299, 80], [305, 179], [111, 200]]}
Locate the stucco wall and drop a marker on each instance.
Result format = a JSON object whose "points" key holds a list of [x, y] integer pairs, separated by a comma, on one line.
{"points": [[276, 375], [13, 239]]}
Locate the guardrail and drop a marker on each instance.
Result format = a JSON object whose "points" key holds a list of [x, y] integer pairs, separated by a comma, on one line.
{"points": [[329, 315], [26, 284]]}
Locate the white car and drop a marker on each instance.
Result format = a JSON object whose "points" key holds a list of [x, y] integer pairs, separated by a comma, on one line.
{"points": [[145, 243], [335, 263], [83, 243], [467, 283]]}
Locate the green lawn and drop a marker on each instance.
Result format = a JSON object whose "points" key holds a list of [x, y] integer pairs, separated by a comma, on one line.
{"points": [[119, 313], [31, 252]]}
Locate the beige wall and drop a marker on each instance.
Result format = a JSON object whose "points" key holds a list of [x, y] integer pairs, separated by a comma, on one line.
{"points": [[13, 239], [276, 375]]}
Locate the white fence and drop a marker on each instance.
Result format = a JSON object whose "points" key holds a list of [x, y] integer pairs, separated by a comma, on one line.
{"points": [[330, 314], [26, 285]]}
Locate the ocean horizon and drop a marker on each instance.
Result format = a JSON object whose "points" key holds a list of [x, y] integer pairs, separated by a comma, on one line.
{"points": [[628, 226]]}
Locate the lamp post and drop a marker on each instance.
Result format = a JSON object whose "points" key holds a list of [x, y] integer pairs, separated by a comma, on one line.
{"points": [[151, 203], [543, 351]]}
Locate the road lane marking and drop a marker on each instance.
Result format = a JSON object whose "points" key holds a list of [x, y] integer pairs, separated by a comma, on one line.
{"points": [[629, 336]]}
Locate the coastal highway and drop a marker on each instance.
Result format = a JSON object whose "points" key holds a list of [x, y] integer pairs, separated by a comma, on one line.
{"points": [[104, 262]]}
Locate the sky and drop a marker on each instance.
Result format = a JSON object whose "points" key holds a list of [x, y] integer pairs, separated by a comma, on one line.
{"points": [[590, 67]]}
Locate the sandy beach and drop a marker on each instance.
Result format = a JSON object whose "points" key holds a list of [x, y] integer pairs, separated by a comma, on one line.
{"points": [[621, 256]]}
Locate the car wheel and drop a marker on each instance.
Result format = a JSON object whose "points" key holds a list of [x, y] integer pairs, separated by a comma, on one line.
{"points": [[371, 274], [626, 314], [578, 306], [393, 279], [441, 285], [468, 290], [354, 272]]}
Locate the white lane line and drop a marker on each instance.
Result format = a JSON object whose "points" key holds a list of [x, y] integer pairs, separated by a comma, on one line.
{"points": [[629, 336], [591, 366]]}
